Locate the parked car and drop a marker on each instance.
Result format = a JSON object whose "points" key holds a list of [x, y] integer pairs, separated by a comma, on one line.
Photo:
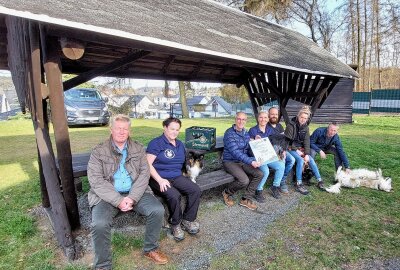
{"points": [[85, 106]]}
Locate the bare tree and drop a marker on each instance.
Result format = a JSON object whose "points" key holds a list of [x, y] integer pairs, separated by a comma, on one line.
{"points": [[182, 92]]}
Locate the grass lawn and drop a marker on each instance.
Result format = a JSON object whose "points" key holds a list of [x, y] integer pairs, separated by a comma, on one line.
{"points": [[326, 231]]}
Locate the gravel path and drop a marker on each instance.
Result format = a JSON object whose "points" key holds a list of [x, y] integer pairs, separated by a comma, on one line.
{"points": [[222, 227]]}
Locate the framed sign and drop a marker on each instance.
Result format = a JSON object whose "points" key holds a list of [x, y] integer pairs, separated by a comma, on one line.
{"points": [[263, 151]]}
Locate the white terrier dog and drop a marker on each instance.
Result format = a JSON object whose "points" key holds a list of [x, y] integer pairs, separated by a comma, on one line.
{"points": [[360, 178]]}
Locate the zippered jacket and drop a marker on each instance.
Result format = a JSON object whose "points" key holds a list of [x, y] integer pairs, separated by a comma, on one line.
{"points": [[236, 146], [104, 162]]}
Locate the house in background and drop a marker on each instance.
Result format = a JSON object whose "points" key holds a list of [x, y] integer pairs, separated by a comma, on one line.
{"points": [[217, 107], [140, 106], [196, 106], [164, 102]]}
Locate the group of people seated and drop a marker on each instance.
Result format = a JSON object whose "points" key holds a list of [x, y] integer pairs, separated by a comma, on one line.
{"points": [[251, 175], [123, 176]]}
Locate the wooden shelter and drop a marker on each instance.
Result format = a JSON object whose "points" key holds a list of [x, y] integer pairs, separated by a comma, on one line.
{"points": [[186, 40]]}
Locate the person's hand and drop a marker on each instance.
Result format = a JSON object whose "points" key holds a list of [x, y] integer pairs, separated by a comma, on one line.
{"points": [[257, 137], [348, 171], [255, 164], [284, 155], [164, 184], [322, 154], [300, 153], [126, 204], [306, 158]]}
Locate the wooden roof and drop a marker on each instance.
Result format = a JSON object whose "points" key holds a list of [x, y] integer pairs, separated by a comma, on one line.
{"points": [[175, 40]]}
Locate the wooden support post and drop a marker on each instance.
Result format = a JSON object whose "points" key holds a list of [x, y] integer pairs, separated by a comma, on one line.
{"points": [[54, 81], [58, 210]]}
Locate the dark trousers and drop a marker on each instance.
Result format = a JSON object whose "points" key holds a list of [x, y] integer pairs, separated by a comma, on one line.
{"points": [[246, 176], [179, 186], [102, 217], [331, 150]]}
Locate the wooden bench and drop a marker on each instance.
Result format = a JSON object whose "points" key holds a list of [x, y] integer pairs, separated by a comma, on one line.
{"points": [[205, 181]]}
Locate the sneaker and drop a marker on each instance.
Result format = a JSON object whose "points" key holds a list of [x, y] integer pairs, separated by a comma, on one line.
{"points": [[274, 192], [321, 185], [227, 198], [259, 196], [177, 232], [300, 188], [191, 227], [248, 203], [284, 189]]}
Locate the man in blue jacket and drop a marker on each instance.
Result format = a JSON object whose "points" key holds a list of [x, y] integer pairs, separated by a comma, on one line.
{"points": [[237, 162], [326, 141]]}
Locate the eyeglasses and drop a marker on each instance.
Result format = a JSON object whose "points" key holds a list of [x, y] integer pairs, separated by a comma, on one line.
{"points": [[241, 119]]}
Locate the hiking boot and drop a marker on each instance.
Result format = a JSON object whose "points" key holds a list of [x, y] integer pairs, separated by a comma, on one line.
{"points": [[259, 196], [300, 188], [157, 256], [191, 227], [248, 203], [227, 198], [177, 232], [321, 185], [284, 189], [274, 192]]}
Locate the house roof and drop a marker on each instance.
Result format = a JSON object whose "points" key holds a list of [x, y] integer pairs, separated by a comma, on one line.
{"points": [[194, 100], [186, 40], [227, 106]]}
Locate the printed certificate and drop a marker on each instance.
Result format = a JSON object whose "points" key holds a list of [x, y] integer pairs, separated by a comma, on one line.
{"points": [[263, 151]]}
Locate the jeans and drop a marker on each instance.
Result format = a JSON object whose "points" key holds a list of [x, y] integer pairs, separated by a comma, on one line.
{"points": [[179, 186], [278, 167], [332, 150], [300, 164], [246, 176], [289, 162], [102, 217]]}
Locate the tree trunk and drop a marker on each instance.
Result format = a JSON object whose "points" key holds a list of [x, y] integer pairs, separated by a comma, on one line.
{"points": [[182, 93], [365, 46], [358, 43], [378, 45]]}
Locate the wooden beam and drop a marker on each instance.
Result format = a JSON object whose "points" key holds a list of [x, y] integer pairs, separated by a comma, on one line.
{"points": [[59, 220], [84, 77], [266, 95], [72, 48], [249, 83], [326, 86], [170, 60], [197, 69], [54, 81]]}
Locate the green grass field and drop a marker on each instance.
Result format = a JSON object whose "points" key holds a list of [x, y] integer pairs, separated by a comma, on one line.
{"points": [[329, 230]]}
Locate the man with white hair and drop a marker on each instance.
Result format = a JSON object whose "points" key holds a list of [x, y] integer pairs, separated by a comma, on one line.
{"points": [[118, 175], [325, 140]]}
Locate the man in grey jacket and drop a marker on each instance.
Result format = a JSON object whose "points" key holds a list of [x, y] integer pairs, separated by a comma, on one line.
{"points": [[118, 175]]}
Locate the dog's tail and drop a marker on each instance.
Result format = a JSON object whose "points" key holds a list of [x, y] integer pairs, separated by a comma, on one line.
{"points": [[334, 188]]}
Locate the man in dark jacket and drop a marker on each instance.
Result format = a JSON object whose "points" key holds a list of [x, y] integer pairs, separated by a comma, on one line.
{"points": [[236, 161], [118, 175], [325, 140]]}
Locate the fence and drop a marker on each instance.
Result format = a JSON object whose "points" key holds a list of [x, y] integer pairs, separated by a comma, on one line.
{"points": [[378, 100]]}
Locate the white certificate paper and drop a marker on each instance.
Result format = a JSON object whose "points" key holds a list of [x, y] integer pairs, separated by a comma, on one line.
{"points": [[263, 151]]}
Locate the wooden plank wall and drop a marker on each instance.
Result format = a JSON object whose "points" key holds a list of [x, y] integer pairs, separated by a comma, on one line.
{"points": [[337, 107]]}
